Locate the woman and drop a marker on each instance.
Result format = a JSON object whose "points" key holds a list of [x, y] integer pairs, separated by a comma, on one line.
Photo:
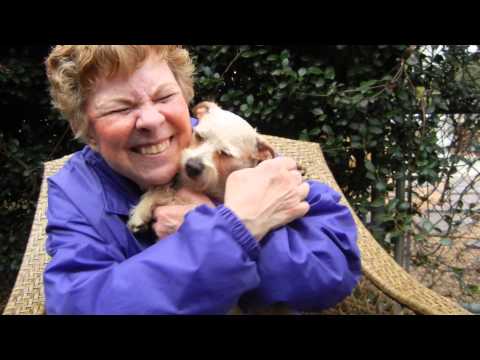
{"points": [[275, 238]]}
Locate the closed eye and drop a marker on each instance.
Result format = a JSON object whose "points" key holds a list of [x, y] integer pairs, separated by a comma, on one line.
{"points": [[117, 111], [225, 152], [198, 137], [164, 98]]}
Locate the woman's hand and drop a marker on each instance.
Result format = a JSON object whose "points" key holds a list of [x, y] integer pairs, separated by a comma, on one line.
{"points": [[267, 196], [168, 218]]}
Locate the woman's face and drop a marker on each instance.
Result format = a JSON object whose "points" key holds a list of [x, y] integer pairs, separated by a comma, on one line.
{"points": [[140, 123]]}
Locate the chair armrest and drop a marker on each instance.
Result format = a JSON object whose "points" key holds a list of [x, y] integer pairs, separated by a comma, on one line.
{"points": [[27, 296]]}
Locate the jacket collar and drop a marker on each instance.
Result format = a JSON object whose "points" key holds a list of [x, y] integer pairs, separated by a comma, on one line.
{"points": [[119, 193]]}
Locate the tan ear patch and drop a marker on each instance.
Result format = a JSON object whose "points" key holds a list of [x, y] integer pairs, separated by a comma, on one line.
{"points": [[264, 150], [203, 108]]}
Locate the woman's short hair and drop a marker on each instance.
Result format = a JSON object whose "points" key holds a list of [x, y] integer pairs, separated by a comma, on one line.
{"points": [[73, 69]]}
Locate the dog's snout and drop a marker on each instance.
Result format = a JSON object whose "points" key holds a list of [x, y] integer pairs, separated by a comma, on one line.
{"points": [[194, 167]]}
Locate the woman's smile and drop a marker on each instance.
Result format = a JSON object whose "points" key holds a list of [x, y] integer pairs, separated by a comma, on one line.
{"points": [[154, 149]]}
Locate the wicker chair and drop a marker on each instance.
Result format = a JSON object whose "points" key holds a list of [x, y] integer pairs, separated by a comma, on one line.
{"points": [[383, 278]]}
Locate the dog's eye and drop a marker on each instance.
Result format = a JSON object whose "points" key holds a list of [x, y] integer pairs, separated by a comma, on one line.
{"points": [[198, 137], [225, 152]]}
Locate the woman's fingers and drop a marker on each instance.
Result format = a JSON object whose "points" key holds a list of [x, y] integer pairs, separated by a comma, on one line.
{"points": [[303, 190], [280, 162]]}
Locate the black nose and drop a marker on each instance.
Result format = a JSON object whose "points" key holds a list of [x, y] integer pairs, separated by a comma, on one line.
{"points": [[194, 167]]}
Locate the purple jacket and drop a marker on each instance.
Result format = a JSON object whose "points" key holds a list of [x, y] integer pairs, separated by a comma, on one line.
{"points": [[208, 266]]}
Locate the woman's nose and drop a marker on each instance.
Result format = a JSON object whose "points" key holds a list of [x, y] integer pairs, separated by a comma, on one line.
{"points": [[149, 118]]}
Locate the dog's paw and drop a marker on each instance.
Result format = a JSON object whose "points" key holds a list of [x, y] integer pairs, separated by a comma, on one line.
{"points": [[136, 224], [137, 228]]}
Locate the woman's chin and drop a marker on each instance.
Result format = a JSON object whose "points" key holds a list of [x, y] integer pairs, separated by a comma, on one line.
{"points": [[160, 176]]}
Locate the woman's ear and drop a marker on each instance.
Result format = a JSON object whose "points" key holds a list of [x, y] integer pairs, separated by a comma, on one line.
{"points": [[264, 150], [92, 142]]}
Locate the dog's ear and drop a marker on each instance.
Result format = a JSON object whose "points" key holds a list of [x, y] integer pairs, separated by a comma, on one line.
{"points": [[264, 150], [203, 108]]}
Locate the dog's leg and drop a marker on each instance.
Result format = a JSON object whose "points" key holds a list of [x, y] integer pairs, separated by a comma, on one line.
{"points": [[142, 214]]}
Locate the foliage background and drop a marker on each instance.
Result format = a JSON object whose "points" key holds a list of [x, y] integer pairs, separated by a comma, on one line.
{"points": [[373, 109]]}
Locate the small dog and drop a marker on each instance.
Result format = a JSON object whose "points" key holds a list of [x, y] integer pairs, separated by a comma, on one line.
{"points": [[222, 142]]}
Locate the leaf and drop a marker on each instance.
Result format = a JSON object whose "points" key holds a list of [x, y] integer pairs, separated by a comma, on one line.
{"points": [[284, 54], [304, 135], [392, 205], [383, 218], [378, 203], [457, 271], [420, 92], [302, 71], [322, 117], [363, 104], [250, 99], [248, 54], [207, 71], [369, 166], [419, 238], [315, 70], [404, 206], [327, 129], [362, 129], [367, 84], [317, 111], [474, 289], [427, 225], [446, 242], [330, 73], [381, 186], [357, 98], [375, 130]]}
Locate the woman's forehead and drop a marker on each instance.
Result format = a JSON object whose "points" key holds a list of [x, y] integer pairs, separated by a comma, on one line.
{"points": [[150, 78]]}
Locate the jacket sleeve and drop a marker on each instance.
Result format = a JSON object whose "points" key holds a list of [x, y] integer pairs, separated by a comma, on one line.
{"points": [[202, 269], [312, 263]]}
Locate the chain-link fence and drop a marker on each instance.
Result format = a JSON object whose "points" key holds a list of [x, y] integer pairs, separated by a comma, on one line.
{"points": [[447, 223], [452, 205]]}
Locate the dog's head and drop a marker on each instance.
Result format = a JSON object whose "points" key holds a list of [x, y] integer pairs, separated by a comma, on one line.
{"points": [[222, 142]]}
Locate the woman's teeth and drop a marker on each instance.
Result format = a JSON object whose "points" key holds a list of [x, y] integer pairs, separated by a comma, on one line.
{"points": [[154, 149]]}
